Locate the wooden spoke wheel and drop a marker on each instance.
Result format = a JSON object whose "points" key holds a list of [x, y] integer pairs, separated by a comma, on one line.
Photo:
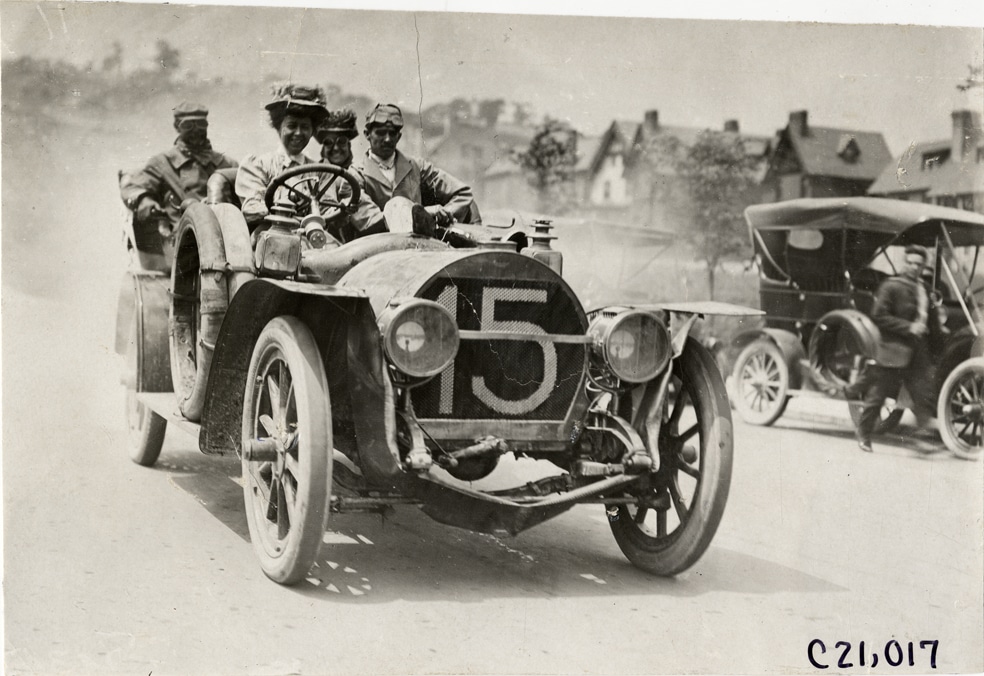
{"points": [[287, 458], [675, 517]]}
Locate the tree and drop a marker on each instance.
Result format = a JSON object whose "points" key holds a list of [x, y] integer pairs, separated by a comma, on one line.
{"points": [[114, 62], [548, 164], [461, 109], [521, 114], [168, 57], [707, 186], [489, 110]]}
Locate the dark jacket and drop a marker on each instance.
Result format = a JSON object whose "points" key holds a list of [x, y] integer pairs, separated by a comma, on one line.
{"points": [[897, 306], [191, 169], [420, 182]]}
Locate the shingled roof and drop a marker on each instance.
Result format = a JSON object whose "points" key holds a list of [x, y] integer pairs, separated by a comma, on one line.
{"points": [[635, 136], [910, 173], [840, 153]]}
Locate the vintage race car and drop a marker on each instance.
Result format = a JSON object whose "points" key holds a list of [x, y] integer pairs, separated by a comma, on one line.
{"points": [[398, 369]]}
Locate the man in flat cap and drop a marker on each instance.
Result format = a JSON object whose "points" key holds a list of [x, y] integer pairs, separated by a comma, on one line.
{"points": [[388, 173], [179, 173]]}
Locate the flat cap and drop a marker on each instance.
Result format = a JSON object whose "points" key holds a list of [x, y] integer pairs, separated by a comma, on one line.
{"points": [[189, 110], [385, 114]]}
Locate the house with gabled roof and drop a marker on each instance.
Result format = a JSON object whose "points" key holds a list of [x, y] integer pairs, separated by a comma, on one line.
{"points": [[605, 180], [610, 181], [949, 172], [813, 161], [621, 186]]}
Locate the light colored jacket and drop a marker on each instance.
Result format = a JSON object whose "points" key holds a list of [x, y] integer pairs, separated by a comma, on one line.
{"points": [[421, 182], [257, 172]]}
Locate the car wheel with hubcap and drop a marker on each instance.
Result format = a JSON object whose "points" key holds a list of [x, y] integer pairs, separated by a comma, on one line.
{"points": [[760, 380], [675, 517], [145, 429], [960, 410], [286, 457]]}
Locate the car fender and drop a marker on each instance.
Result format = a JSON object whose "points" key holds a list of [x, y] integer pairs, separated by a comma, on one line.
{"points": [[360, 393]]}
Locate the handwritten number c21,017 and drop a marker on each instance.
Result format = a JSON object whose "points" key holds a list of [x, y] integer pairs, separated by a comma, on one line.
{"points": [[895, 654]]}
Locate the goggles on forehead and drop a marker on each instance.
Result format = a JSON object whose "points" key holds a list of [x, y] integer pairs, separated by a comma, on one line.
{"points": [[385, 114], [193, 123]]}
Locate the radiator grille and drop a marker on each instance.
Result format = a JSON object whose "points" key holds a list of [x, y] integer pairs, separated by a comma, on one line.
{"points": [[507, 379]]}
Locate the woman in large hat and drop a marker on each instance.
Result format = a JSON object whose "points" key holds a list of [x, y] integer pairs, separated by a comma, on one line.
{"points": [[295, 112]]}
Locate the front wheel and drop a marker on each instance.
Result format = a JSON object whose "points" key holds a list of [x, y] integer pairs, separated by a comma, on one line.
{"points": [[761, 383], [960, 410], [671, 525], [287, 441]]}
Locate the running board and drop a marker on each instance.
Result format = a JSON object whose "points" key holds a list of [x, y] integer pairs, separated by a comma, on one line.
{"points": [[165, 404]]}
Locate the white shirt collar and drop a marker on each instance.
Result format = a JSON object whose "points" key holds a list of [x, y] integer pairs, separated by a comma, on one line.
{"points": [[384, 164]]}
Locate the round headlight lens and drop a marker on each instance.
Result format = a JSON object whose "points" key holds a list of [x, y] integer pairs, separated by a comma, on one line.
{"points": [[622, 344], [420, 338], [410, 336], [633, 345]]}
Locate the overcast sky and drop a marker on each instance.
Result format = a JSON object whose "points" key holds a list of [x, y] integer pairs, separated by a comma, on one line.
{"points": [[900, 80]]}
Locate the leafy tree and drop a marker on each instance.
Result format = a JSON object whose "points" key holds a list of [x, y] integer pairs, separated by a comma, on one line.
{"points": [[460, 108], [489, 110], [521, 114], [548, 164], [706, 187], [114, 62], [167, 56]]}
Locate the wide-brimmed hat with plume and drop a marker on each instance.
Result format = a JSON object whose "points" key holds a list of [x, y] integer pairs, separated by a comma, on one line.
{"points": [[339, 121], [303, 99]]}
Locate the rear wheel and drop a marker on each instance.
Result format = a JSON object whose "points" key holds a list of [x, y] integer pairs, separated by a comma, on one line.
{"points": [[145, 429], [287, 457], [676, 516], [761, 382], [960, 410]]}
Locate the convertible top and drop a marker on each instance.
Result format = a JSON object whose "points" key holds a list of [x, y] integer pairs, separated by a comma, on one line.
{"points": [[847, 232], [911, 222]]}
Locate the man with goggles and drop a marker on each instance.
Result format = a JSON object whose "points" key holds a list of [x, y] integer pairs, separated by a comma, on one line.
{"points": [[180, 173]]}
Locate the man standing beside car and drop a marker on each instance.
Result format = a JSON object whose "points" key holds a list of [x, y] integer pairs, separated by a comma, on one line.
{"points": [[388, 173], [910, 328], [178, 174]]}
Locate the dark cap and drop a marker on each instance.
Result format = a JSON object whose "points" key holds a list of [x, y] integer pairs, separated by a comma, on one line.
{"points": [[303, 99], [385, 114], [338, 121], [187, 110]]}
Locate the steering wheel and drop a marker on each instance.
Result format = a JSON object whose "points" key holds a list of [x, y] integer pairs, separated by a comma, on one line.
{"points": [[316, 186]]}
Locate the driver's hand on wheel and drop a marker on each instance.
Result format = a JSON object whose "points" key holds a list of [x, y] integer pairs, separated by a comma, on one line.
{"points": [[148, 208], [441, 216], [918, 329]]}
